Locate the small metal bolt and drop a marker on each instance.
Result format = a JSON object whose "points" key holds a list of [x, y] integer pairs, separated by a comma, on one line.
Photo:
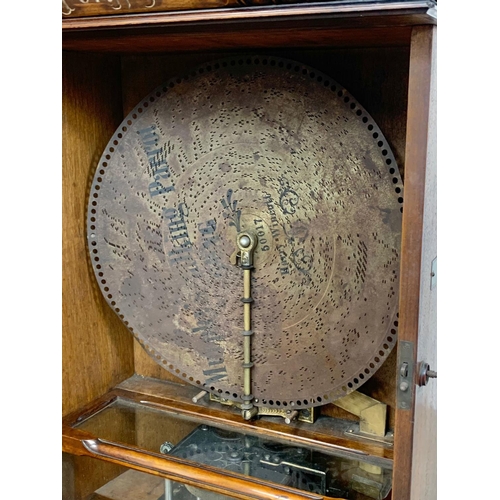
{"points": [[204, 428], [199, 396], [245, 241], [404, 370], [403, 386], [166, 447], [425, 373]]}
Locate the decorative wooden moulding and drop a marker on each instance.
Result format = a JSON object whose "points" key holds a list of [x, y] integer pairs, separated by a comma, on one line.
{"points": [[84, 8]]}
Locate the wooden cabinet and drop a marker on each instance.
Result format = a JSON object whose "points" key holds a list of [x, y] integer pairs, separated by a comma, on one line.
{"points": [[384, 53]]}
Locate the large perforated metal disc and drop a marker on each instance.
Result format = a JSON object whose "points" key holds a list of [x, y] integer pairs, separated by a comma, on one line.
{"points": [[273, 146]]}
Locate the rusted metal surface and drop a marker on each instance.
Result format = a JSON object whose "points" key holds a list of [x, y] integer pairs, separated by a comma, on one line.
{"points": [[272, 146]]}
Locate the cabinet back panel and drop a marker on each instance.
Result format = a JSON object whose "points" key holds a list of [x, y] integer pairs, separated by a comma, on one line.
{"points": [[97, 348]]}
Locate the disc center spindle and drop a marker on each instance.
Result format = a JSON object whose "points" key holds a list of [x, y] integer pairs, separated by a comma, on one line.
{"points": [[247, 242]]}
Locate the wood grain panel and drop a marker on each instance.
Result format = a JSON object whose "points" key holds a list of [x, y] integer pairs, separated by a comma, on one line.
{"points": [[417, 146], [83, 475], [424, 461], [97, 349], [162, 41]]}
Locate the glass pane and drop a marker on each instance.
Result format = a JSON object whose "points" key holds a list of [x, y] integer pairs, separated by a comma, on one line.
{"points": [[251, 455], [135, 485]]}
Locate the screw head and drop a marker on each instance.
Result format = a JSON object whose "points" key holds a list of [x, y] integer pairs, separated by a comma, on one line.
{"points": [[166, 447], [245, 241]]}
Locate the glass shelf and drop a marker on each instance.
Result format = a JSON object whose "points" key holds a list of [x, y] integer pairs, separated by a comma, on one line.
{"points": [[123, 424]]}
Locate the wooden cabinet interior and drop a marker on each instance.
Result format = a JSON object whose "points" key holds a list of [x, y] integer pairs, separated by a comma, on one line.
{"points": [[105, 74], [377, 76]]}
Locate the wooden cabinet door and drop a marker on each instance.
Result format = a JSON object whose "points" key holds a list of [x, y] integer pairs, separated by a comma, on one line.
{"points": [[415, 460]]}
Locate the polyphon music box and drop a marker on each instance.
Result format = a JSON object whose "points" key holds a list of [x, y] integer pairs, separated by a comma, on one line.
{"points": [[249, 250]]}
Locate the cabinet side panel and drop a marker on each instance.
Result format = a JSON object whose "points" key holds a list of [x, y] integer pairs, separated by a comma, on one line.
{"points": [[424, 463], [97, 348], [413, 272], [82, 476]]}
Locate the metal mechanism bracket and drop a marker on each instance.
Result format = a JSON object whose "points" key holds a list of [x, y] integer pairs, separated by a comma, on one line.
{"points": [[303, 415], [387, 440], [405, 385]]}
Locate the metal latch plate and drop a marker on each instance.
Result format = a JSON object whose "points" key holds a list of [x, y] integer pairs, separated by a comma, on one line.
{"points": [[404, 393]]}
